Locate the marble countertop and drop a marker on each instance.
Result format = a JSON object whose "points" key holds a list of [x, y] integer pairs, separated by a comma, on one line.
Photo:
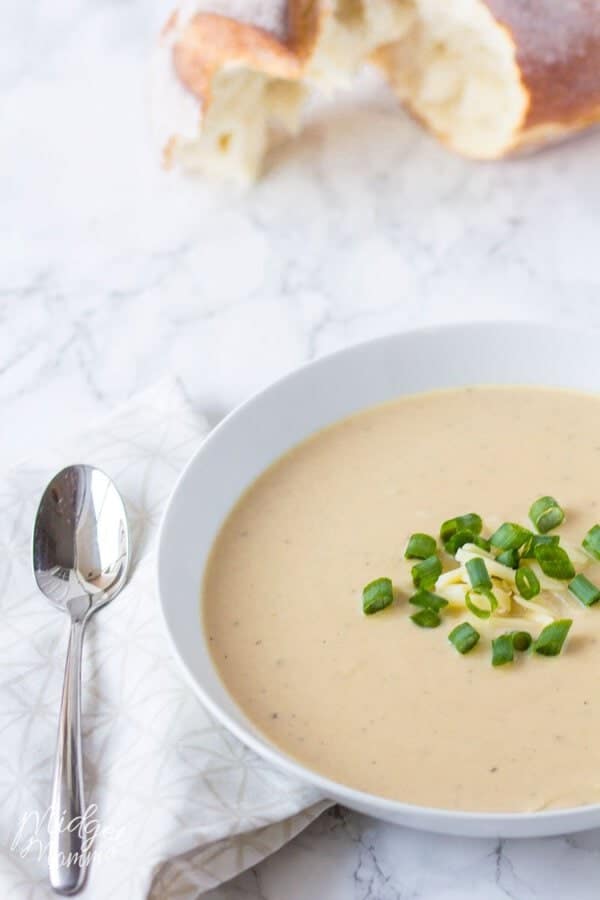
{"points": [[114, 273]]}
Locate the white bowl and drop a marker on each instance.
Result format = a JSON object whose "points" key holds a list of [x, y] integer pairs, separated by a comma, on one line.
{"points": [[270, 423]]}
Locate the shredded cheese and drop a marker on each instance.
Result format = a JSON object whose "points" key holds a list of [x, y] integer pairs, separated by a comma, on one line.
{"points": [[453, 586]]}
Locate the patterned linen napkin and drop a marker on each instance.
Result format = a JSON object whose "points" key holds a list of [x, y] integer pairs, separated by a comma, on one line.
{"points": [[178, 804]]}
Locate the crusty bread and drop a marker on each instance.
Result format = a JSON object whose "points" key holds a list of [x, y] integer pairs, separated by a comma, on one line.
{"points": [[222, 81], [489, 77], [486, 76], [230, 75]]}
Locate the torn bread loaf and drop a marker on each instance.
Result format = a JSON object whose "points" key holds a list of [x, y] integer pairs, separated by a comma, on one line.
{"points": [[489, 77], [232, 75]]}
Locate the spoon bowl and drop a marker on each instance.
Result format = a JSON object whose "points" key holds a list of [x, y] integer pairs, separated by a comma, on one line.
{"points": [[80, 562], [81, 543]]}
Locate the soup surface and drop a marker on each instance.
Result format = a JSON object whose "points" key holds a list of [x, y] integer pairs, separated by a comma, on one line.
{"points": [[375, 702]]}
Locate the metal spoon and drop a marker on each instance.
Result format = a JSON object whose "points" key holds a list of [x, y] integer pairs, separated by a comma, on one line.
{"points": [[80, 560]]}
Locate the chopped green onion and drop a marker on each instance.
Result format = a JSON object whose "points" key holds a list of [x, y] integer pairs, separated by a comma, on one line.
{"points": [[546, 514], [458, 540], [482, 543], [377, 595], [463, 637], [510, 536], [426, 618], [536, 540], [478, 573], [554, 562], [504, 645], [426, 573], [552, 637], [479, 611], [585, 591], [420, 546], [469, 522], [521, 640], [427, 600], [502, 650], [527, 583], [509, 558], [591, 542], [461, 538]]}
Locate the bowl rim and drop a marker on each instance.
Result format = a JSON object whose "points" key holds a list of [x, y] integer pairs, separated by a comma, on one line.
{"points": [[551, 820]]}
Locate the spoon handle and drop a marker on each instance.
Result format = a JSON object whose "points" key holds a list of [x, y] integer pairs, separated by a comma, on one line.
{"points": [[67, 863]]}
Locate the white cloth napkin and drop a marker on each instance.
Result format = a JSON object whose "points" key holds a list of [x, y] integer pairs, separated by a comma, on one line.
{"points": [[181, 805]]}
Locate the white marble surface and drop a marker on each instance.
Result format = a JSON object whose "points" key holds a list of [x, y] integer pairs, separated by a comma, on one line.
{"points": [[113, 273]]}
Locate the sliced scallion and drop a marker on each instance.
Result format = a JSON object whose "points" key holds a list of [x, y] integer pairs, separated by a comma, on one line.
{"points": [[461, 538], [521, 640], [585, 591], [426, 573], [527, 583], [509, 558], [552, 637], [502, 650], [426, 618], [427, 600], [420, 546], [478, 573], [482, 543], [469, 522], [536, 540], [510, 536], [504, 645], [546, 514], [591, 542], [463, 637], [480, 611], [554, 562], [377, 595], [458, 540]]}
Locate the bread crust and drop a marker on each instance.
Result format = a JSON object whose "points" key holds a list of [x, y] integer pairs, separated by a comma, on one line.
{"points": [[557, 49], [209, 42], [553, 47]]}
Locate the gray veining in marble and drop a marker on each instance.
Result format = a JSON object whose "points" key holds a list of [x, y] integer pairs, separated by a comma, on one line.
{"points": [[346, 856]]}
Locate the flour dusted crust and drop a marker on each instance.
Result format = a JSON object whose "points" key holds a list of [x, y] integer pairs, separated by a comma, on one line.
{"points": [[231, 75], [558, 54], [490, 77]]}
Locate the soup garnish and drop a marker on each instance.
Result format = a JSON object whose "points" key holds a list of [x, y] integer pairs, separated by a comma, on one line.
{"points": [[509, 558], [427, 600], [503, 585], [537, 540], [420, 546], [377, 595], [502, 649], [554, 562], [464, 637], [426, 618], [546, 514], [591, 542], [552, 638], [582, 588], [527, 583], [426, 573], [471, 524], [510, 537]]}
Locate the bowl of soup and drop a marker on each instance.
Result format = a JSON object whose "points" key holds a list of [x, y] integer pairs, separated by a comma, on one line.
{"points": [[382, 575]]}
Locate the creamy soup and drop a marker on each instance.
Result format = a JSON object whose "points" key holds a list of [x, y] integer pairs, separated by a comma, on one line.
{"points": [[374, 701]]}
